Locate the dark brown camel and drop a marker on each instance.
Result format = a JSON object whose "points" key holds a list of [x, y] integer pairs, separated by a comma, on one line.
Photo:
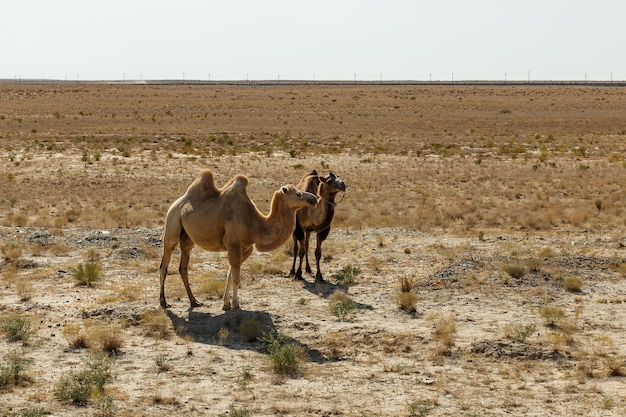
{"points": [[314, 219], [226, 220]]}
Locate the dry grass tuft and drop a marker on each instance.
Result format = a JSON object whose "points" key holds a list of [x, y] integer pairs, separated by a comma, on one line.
{"points": [[106, 339], [406, 298], [75, 336], [212, 287], [444, 334], [250, 330], [156, 323]]}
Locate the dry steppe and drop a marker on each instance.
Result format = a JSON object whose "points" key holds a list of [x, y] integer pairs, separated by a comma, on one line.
{"points": [[500, 210]]}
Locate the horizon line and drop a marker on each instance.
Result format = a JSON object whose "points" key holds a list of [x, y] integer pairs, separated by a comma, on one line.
{"points": [[276, 82]]}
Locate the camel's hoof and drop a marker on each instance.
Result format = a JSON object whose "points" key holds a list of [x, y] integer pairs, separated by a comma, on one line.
{"points": [[320, 280], [298, 278], [195, 303], [164, 305], [226, 307]]}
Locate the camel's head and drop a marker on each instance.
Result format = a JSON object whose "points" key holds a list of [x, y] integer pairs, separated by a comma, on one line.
{"points": [[334, 183], [295, 198]]}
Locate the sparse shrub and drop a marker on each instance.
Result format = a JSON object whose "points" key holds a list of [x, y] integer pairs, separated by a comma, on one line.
{"points": [[16, 327], [87, 274], [341, 305], [106, 339], [288, 359], [407, 299], [162, 363], [105, 407], [91, 255], [419, 409], [515, 270], [573, 284], [24, 289], [347, 276], [75, 336], [519, 332], [72, 215], [79, 387], [12, 372], [407, 302], [156, 323], [213, 287], [236, 412], [444, 332], [12, 252], [244, 378], [285, 354], [534, 265], [250, 330], [551, 314], [35, 412]]}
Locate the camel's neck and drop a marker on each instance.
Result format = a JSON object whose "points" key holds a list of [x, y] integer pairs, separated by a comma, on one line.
{"points": [[276, 228], [324, 212]]}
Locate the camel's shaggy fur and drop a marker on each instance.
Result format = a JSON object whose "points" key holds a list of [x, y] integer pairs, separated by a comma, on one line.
{"points": [[226, 220], [314, 219]]}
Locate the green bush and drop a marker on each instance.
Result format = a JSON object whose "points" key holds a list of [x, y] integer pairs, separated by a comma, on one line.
{"points": [[87, 274], [348, 275], [79, 387], [16, 327], [12, 372], [341, 305], [286, 356], [519, 332]]}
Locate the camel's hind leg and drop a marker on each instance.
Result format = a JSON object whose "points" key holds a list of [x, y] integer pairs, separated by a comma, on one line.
{"points": [[168, 248], [298, 238], [320, 237], [307, 236], [186, 245]]}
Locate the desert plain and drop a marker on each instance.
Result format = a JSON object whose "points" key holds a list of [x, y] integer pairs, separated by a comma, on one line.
{"points": [[475, 265]]}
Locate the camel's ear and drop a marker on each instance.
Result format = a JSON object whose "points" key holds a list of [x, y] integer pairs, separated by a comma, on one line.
{"points": [[284, 189]]}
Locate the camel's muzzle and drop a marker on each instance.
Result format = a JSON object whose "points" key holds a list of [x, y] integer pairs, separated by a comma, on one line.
{"points": [[310, 198]]}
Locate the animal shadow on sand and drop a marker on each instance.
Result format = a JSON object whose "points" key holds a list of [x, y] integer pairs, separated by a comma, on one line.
{"points": [[226, 329], [326, 289]]}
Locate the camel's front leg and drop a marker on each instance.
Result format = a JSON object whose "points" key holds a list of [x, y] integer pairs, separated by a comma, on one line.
{"points": [[229, 280], [236, 257]]}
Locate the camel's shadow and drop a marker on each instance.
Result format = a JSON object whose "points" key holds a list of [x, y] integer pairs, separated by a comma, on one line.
{"points": [[239, 330], [227, 329], [325, 289]]}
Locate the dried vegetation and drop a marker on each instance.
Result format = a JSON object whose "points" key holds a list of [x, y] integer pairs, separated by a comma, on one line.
{"points": [[476, 262]]}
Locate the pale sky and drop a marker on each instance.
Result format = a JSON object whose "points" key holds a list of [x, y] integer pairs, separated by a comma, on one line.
{"points": [[306, 40]]}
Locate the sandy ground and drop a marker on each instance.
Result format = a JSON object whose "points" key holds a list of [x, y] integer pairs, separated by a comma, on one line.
{"points": [[378, 361], [448, 187]]}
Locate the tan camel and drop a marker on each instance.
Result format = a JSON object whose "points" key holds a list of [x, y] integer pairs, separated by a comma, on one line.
{"points": [[314, 219], [226, 220]]}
